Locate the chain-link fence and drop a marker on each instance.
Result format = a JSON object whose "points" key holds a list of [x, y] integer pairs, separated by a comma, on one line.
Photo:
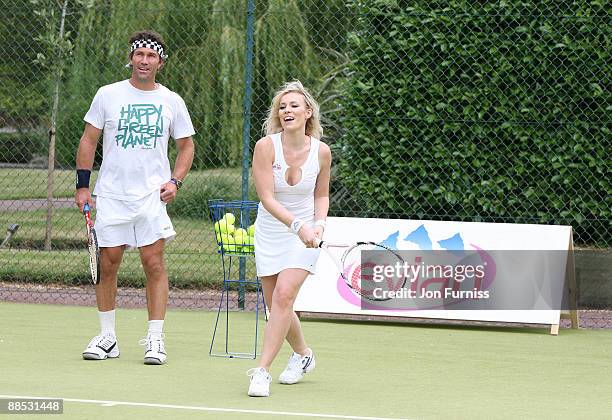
{"points": [[494, 111]]}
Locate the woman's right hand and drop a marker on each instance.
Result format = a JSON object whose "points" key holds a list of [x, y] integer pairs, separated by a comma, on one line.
{"points": [[308, 237]]}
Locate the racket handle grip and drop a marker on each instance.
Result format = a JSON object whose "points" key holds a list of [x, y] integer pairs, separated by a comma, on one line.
{"points": [[86, 208]]}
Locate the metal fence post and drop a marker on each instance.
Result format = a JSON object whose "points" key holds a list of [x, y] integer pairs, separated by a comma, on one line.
{"points": [[246, 126], [51, 157]]}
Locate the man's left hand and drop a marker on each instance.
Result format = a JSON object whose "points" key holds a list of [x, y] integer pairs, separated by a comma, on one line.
{"points": [[167, 192]]}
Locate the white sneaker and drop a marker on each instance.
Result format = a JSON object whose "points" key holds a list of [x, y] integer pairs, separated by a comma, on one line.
{"points": [[296, 368], [101, 347], [260, 382], [155, 350]]}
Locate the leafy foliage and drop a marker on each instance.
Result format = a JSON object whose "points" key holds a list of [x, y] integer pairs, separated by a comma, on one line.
{"points": [[497, 112], [192, 200]]}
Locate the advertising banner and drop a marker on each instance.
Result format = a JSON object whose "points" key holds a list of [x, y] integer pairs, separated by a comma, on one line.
{"points": [[446, 270]]}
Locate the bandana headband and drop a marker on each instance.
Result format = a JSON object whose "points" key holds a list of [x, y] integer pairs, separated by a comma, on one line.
{"points": [[149, 43]]}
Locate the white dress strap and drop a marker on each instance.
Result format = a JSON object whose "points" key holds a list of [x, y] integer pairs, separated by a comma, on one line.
{"points": [[278, 149]]}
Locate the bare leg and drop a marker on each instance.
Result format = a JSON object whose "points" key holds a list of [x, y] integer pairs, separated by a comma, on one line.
{"points": [[295, 336], [106, 290], [152, 258], [282, 316]]}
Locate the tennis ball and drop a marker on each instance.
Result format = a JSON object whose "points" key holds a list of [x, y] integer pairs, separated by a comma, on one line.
{"points": [[220, 232], [226, 238], [230, 218], [240, 235], [218, 228], [251, 230], [223, 226], [223, 239], [244, 241], [229, 243], [248, 244]]}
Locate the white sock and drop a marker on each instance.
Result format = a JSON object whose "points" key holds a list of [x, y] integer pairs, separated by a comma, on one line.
{"points": [[107, 322], [156, 327]]}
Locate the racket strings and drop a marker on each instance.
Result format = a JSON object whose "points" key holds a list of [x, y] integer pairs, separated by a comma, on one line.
{"points": [[362, 270], [94, 255]]}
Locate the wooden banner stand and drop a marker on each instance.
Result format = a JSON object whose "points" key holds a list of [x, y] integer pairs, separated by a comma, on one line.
{"points": [[571, 289]]}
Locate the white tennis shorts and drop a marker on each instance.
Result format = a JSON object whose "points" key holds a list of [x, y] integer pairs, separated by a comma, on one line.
{"points": [[132, 223]]}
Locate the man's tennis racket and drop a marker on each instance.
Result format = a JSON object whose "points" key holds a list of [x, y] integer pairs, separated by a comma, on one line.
{"points": [[92, 247], [361, 274]]}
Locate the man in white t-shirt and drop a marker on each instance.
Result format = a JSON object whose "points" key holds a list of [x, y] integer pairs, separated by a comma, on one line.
{"points": [[137, 117]]}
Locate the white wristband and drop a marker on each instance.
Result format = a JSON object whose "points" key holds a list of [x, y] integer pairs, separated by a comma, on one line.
{"points": [[321, 223], [296, 225]]}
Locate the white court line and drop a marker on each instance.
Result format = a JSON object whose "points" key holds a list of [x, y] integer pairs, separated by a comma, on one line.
{"points": [[200, 408]]}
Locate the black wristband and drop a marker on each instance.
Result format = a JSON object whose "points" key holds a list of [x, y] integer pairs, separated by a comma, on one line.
{"points": [[82, 178]]}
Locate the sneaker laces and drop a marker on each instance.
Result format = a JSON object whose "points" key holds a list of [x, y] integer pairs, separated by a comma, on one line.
{"points": [[102, 341], [295, 362], [259, 375], [154, 343]]}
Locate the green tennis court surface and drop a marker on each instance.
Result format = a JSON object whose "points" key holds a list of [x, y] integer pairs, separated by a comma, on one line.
{"points": [[363, 370]]}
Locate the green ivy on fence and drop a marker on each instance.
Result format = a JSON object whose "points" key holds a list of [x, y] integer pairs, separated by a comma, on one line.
{"points": [[492, 113]]}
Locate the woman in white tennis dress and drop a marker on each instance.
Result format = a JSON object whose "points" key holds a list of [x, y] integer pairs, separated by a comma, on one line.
{"points": [[291, 168], [278, 247]]}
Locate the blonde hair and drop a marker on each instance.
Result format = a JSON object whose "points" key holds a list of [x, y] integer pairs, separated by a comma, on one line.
{"points": [[272, 125]]}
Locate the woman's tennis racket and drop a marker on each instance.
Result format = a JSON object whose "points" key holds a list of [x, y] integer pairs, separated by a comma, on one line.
{"points": [[92, 247], [361, 270]]}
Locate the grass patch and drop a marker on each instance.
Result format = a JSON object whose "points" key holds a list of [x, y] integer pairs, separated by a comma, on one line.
{"points": [[21, 183], [199, 187], [185, 271], [484, 373], [192, 258]]}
